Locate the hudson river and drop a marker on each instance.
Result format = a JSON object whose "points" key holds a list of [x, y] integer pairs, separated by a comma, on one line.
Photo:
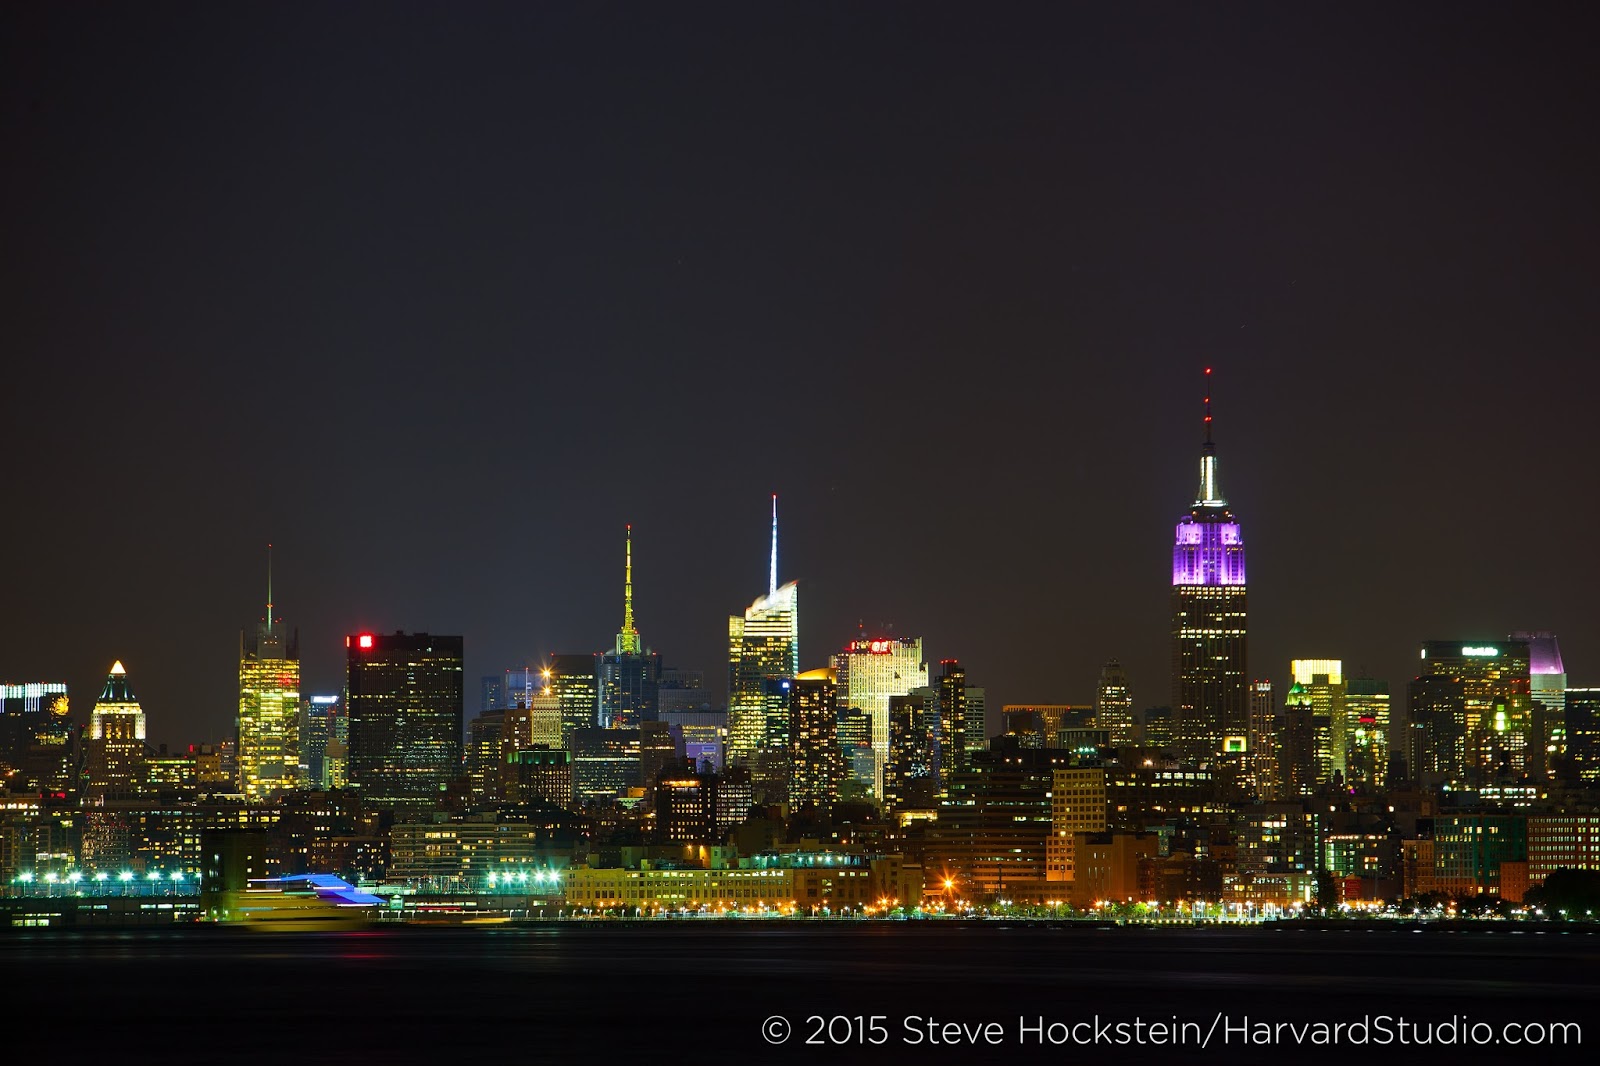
{"points": [[890, 992]]}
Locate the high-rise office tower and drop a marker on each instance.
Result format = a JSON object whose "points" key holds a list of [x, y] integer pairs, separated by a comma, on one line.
{"points": [[269, 707], [539, 775], [1302, 762], [952, 734], [1113, 704], [115, 746], [1210, 712], [38, 742], [870, 671], [1367, 722], [1265, 769], [405, 715], [629, 673], [958, 718], [1582, 758], [908, 774], [605, 764], [1321, 681], [977, 720], [763, 653], [545, 723], [1471, 712], [855, 749], [814, 767], [1548, 688], [323, 728], [574, 680], [486, 755]]}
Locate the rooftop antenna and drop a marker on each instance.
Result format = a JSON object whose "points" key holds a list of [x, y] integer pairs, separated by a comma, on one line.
{"points": [[1208, 407], [269, 585], [772, 576]]}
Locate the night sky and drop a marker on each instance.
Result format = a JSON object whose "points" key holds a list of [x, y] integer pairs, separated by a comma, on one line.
{"points": [[436, 298]]}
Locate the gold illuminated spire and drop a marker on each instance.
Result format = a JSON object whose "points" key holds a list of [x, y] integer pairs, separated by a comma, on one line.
{"points": [[628, 639]]}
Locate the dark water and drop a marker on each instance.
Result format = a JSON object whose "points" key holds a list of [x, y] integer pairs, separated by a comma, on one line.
{"points": [[588, 993]]}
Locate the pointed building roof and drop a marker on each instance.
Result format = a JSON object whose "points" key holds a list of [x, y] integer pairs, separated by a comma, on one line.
{"points": [[118, 688], [628, 638]]}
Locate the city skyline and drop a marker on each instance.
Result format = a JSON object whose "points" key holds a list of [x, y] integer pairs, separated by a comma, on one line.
{"points": [[997, 284], [1082, 691], [469, 314]]}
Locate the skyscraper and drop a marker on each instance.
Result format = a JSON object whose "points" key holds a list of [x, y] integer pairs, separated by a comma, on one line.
{"points": [[1265, 766], [763, 652], [405, 715], [1367, 721], [977, 699], [1582, 717], [269, 707], [908, 779], [629, 673], [1113, 704], [1209, 620], [952, 699], [1548, 678], [38, 742], [574, 681], [870, 671], [486, 755], [324, 740], [1302, 762], [1321, 682], [1472, 708], [814, 768], [115, 748]]}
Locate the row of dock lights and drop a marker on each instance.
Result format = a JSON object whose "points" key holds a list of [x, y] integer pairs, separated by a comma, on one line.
{"points": [[522, 877], [74, 877]]}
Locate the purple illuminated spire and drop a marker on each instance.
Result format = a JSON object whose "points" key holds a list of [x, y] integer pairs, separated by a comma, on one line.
{"points": [[1209, 549]]}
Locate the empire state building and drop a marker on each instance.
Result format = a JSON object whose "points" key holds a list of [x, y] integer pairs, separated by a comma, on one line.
{"points": [[1209, 698]]}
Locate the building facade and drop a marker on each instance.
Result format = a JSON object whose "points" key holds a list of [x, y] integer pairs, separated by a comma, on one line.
{"points": [[871, 671], [1471, 707], [269, 709], [1209, 622], [405, 709], [814, 763], [114, 747]]}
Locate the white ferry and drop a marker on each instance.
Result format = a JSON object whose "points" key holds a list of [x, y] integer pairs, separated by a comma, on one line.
{"points": [[302, 902]]}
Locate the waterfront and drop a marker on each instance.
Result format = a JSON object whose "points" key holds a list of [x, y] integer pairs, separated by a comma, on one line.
{"points": [[404, 994]]}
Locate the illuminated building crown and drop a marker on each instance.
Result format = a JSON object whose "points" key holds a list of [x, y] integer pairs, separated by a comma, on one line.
{"points": [[1209, 548]]}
